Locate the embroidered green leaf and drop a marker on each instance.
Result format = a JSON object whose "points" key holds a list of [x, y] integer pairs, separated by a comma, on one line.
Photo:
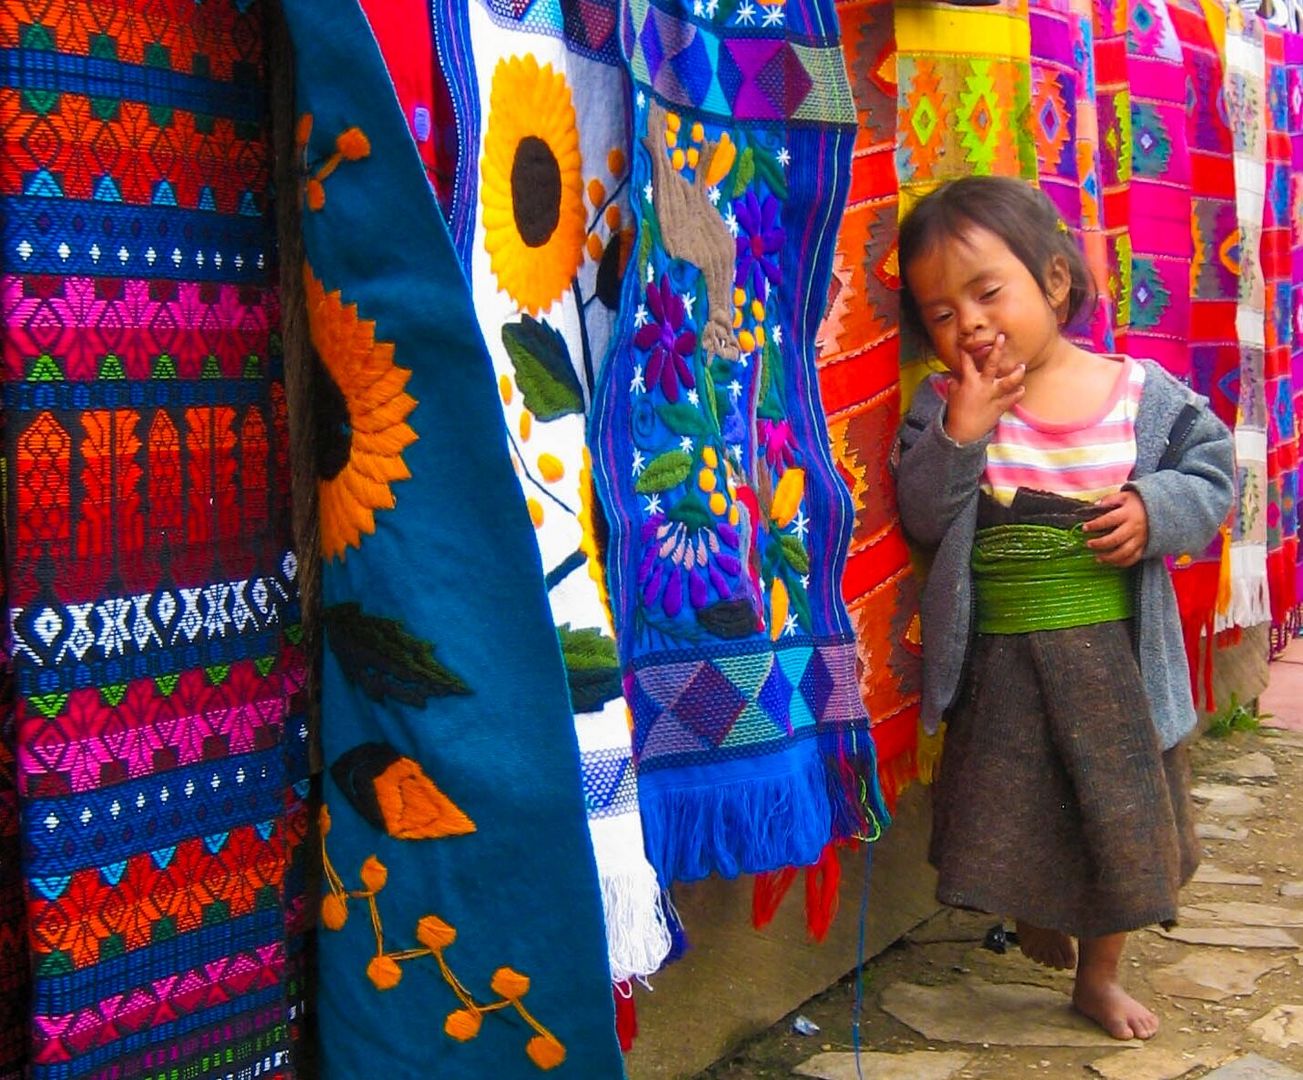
{"points": [[664, 472], [683, 419], [113, 694], [770, 395], [768, 170], [384, 659], [729, 619], [167, 684], [712, 399], [592, 667], [692, 512], [546, 378], [744, 171], [799, 598], [218, 673], [795, 554]]}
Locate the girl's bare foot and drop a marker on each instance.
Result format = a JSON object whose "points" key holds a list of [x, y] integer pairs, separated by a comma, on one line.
{"points": [[1053, 948], [1100, 996]]}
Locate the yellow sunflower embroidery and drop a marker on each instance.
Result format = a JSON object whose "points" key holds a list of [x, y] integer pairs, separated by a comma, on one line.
{"points": [[590, 543], [532, 188], [361, 412]]}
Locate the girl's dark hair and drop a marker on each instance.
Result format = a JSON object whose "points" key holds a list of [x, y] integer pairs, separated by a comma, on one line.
{"points": [[1019, 214]]}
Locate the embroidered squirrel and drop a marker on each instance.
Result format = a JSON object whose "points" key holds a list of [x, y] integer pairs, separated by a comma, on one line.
{"points": [[693, 231]]}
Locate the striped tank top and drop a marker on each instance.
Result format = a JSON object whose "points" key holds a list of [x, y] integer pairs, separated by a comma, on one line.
{"points": [[1085, 459]]}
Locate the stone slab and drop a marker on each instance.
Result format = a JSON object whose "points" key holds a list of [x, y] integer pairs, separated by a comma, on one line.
{"points": [[952, 924], [1226, 800], [1213, 975], [1209, 830], [1254, 1067], [1208, 874], [915, 1065], [971, 1010], [1234, 937], [1282, 1027], [1253, 766], [1243, 913], [1292, 890], [1154, 1063]]}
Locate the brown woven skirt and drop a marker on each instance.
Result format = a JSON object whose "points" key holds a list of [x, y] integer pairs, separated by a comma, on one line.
{"points": [[1055, 803]]}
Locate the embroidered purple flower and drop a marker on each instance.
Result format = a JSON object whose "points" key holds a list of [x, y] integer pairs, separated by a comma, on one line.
{"points": [[671, 343], [679, 558], [779, 443], [760, 239]]}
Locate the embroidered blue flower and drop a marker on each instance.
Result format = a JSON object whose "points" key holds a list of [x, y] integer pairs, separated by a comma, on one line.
{"points": [[670, 342], [760, 239], [678, 557]]}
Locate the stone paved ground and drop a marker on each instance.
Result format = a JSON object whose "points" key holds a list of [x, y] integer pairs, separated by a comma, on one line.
{"points": [[1227, 983]]}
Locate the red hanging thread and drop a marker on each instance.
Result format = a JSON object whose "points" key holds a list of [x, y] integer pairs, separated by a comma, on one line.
{"points": [[626, 1015], [822, 881], [767, 894]]}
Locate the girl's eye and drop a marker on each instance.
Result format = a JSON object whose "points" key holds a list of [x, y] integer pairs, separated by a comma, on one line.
{"points": [[990, 293], [940, 317]]}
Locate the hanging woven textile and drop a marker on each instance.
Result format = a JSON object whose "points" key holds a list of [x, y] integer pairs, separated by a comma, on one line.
{"points": [[963, 108], [1066, 129], [1146, 179], [1214, 346], [528, 93], [1294, 97], [453, 830], [1282, 434], [729, 525], [1244, 86], [150, 590]]}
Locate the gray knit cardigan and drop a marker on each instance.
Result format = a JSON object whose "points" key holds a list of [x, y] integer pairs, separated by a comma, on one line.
{"points": [[937, 490]]}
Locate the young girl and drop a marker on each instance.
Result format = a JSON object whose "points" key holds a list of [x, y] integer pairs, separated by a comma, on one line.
{"points": [[1050, 483]]}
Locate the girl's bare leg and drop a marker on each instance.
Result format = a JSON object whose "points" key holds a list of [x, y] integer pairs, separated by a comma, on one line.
{"points": [[1053, 948], [1098, 993]]}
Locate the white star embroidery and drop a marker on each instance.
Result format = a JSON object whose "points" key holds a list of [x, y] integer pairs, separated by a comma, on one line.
{"points": [[789, 626], [689, 299], [713, 195], [654, 503], [636, 384], [805, 582], [698, 9], [773, 15], [777, 334], [712, 6], [649, 191], [639, 463], [651, 273], [784, 156], [685, 444], [730, 222], [735, 390], [746, 14], [736, 451], [800, 525], [642, 99], [640, 317], [693, 399]]}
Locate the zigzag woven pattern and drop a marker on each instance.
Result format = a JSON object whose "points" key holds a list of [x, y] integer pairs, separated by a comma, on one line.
{"points": [[151, 597]]}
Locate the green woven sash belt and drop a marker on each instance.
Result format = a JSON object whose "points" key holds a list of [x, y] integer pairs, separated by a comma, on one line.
{"points": [[1037, 577]]}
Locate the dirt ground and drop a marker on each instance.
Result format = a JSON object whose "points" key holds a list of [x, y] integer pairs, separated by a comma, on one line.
{"points": [[1196, 1035]]}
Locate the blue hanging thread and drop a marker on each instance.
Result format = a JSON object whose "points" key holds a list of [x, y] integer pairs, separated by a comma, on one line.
{"points": [[859, 965]]}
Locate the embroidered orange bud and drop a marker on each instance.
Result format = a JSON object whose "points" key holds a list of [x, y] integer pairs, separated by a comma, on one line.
{"points": [[412, 806], [694, 155], [596, 192], [707, 480], [535, 509], [594, 244], [612, 217], [504, 389], [718, 504], [722, 161], [509, 983], [550, 468], [384, 972], [353, 144], [710, 456], [323, 820], [615, 162], [434, 933], [746, 341], [677, 159], [673, 122], [779, 603], [526, 425], [334, 912], [374, 874], [316, 194], [462, 1025], [787, 497], [545, 1052], [303, 129]]}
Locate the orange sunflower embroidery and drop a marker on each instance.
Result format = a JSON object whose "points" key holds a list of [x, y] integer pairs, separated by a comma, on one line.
{"points": [[532, 189], [361, 411]]}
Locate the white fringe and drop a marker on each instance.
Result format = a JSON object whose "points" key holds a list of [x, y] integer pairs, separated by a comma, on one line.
{"points": [[637, 934], [1250, 595]]}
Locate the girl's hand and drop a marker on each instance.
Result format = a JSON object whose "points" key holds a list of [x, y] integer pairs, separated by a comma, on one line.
{"points": [[980, 396], [1125, 525]]}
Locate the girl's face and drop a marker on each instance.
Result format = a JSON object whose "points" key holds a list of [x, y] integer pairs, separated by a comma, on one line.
{"points": [[971, 288]]}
